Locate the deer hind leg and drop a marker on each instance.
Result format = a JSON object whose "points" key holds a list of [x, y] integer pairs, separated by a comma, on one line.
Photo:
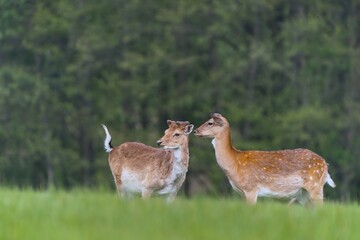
{"points": [[292, 200], [303, 197], [316, 195], [315, 185], [118, 185]]}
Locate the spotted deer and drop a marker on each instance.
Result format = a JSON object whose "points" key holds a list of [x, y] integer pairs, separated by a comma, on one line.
{"points": [[298, 174], [138, 168]]}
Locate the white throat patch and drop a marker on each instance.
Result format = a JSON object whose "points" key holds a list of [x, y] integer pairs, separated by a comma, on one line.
{"points": [[177, 154], [171, 147], [213, 142]]}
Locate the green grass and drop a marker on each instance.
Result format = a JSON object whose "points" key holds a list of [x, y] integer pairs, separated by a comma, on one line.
{"points": [[79, 214]]}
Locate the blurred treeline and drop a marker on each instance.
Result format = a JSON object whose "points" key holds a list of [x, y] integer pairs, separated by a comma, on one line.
{"points": [[285, 74]]}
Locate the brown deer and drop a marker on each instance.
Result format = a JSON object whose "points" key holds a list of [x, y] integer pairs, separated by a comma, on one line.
{"points": [[298, 174], [138, 168]]}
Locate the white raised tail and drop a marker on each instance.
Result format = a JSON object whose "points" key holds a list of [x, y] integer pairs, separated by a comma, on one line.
{"points": [[107, 143], [330, 181]]}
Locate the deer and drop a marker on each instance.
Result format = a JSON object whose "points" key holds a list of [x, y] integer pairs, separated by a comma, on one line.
{"points": [[139, 168], [296, 174]]}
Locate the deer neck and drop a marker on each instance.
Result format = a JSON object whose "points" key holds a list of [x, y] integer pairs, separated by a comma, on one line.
{"points": [[224, 151], [181, 155]]}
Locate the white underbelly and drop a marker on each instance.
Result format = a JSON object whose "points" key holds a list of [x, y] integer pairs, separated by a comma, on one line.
{"points": [[131, 182], [282, 187], [265, 192]]}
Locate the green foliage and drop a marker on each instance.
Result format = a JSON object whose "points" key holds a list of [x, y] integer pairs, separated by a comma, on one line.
{"points": [[285, 74]]}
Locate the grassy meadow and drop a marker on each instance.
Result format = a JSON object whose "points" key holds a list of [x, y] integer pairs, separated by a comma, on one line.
{"points": [[82, 214]]}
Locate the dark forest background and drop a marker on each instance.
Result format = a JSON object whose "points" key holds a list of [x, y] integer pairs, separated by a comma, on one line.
{"points": [[285, 74]]}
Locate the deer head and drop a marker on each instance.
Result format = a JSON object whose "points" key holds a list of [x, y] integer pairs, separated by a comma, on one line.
{"points": [[213, 127], [176, 135]]}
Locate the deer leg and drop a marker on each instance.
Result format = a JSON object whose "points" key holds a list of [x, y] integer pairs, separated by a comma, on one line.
{"points": [[118, 185], [146, 193], [317, 199], [292, 201], [251, 196], [171, 197], [303, 198], [317, 196]]}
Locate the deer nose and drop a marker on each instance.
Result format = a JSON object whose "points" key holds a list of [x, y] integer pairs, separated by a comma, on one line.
{"points": [[159, 142], [195, 132]]}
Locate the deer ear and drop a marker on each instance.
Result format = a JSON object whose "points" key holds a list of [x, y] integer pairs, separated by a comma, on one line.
{"points": [[188, 129], [169, 122], [217, 118], [218, 115]]}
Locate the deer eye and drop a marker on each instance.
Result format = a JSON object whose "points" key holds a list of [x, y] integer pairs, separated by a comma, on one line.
{"points": [[210, 123], [176, 134]]}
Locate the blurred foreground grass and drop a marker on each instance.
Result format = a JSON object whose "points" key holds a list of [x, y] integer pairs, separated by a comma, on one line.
{"points": [[81, 214]]}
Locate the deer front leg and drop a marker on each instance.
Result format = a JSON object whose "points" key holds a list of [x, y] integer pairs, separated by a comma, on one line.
{"points": [[146, 193], [251, 196], [171, 197]]}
